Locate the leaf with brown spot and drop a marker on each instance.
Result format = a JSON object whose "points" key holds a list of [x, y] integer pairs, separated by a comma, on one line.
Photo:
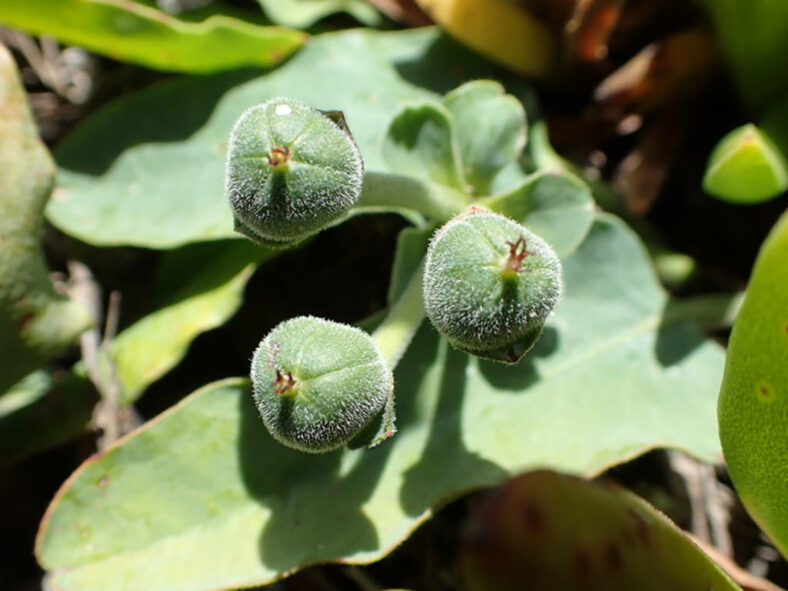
{"points": [[753, 403], [404, 11], [588, 544]]}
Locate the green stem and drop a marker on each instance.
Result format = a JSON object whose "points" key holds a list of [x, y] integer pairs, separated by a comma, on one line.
{"points": [[393, 337], [383, 191], [403, 320]]}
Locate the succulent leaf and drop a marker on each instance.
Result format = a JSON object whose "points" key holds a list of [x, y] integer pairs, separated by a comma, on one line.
{"points": [[753, 402], [746, 167]]}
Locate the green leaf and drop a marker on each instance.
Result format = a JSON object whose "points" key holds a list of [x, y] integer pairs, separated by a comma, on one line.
{"points": [[422, 142], [128, 178], [555, 205], [204, 284], [753, 37], [301, 14], [35, 321], [746, 167], [775, 124], [129, 31], [545, 530], [490, 127], [753, 404], [202, 497], [42, 411]]}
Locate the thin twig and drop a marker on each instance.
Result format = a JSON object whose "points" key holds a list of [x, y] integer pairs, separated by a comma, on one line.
{"points": [[319, 578], [687, 468], [361, 578], [405, 11], [708, 505], [84, 290], [718, 504], [50, 50], [109, 416], [113, 316], [746, 580], [54, 66]]}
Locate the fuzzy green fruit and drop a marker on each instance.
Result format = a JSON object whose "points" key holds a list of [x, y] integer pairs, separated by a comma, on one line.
{"points": [[318, 383], [291, 171], [490, 284]]}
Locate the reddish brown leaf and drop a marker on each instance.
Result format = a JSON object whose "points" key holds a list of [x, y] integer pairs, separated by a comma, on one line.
{"points": [[404, 11]]}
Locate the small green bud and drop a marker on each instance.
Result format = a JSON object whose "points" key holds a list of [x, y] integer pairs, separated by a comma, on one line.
{"points": [[318, 383], [291, 171], [490, 284]]}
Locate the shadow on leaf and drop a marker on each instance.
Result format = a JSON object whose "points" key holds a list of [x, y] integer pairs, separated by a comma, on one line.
{"points": [[516, 379], [676, 339], [95, 146], [445, 65], [308, 495], [445, 457]]}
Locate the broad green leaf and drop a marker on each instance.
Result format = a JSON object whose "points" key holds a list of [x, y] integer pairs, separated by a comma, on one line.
{"points": [[126, 30], [753, 403], [491, 130], [422, 142], [35, 321], [301, 14], [745, 167], [555, 205], [41, 411], [545, 530], [148, 169], [203, 498], [204, 284]]}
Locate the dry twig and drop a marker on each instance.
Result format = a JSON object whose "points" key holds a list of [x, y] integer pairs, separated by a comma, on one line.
{"points": [[112, 419]]}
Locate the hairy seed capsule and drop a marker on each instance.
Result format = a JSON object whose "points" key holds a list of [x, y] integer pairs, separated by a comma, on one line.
{"points": [[291, 171], [318, 383], [490, 284]]}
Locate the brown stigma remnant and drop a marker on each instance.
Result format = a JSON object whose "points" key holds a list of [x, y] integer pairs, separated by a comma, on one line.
{"points": [[284, 383], [517, 254], [278, 156]]}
